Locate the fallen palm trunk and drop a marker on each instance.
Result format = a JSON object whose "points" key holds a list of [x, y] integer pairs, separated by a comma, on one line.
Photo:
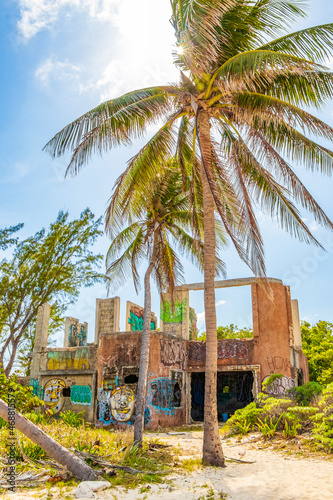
{"points": [[54, 450]]}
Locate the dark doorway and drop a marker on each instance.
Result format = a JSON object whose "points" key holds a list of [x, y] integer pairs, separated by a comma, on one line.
{"points": [[234, 391]]}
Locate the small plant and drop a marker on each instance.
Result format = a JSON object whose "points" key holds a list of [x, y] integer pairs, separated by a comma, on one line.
{"points": [[32, 450], [269, 427], [290, 429], [72, 419], [243, 427], [37, 418]]}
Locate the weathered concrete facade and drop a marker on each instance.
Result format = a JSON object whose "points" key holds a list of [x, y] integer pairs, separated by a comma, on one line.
{"points": [[101, 378]]}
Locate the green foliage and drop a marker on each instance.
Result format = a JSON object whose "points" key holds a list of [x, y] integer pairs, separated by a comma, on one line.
{"points": [[290, 429], [72, 419], [24, 399], [305, 394], [270, 380], [244, 419], [37, 418], [230, 332], [32, 450], [317, 343], [50, 266], [269, 427], [323, 421], [6, 239]]}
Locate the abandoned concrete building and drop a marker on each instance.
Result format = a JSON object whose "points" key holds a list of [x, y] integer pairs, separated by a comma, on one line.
{"points": [[101, 377]]}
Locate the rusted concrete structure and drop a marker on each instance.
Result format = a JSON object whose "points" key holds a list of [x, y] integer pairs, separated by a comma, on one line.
{"points": [[101, 378]]}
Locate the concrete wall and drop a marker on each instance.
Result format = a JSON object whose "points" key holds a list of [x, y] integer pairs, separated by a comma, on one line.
{"points": [[119, 358]]}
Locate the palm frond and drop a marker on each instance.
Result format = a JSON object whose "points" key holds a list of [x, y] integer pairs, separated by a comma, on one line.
{"points": [[315, 43], [111, 123]]}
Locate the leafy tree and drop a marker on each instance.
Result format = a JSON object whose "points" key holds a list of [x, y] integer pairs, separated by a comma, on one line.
{"points": [[25, 400], [57, 321], [235, 116], [50, 266], [317, 342], [6, 239], [160, 220], [230, 332]]}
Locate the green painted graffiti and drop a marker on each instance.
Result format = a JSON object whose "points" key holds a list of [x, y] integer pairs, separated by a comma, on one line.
{"points": [[37, 389], [81, 395], [136, 322], [173, 316]]}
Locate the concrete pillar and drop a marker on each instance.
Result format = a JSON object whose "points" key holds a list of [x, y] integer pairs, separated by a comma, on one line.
{"points": [[297, 340], [134, 317], [107, 317], [42, 329], [176, 321]]}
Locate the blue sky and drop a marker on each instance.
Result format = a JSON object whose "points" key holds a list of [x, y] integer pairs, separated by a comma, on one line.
{"points": [[60, 58]]}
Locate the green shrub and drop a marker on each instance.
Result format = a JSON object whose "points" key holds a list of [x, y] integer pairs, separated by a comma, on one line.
{"points": [[25, 400], [37, 418], [305, 394], [72, 419], [323, 421], [244, 419]]}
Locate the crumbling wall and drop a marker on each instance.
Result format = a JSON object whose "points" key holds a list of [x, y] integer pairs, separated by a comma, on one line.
{"points": [[118, 370]]}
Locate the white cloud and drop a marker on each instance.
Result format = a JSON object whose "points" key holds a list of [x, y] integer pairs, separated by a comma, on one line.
{"points": [[220, 303], [201, 317], [38, 15], [53, 69]]}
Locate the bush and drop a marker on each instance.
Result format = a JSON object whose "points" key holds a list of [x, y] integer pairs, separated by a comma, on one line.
{"points": [[323, 421], [25, 400], [305, 394], [72, 419]]}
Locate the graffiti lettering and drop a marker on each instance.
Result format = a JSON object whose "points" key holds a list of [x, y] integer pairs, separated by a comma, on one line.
{"points": [[173, 353], [277, 363], [77, 337], [81, 395], [225, 350], [53, 395], [66, 360], [160, 395], [136, 320], [279, 386]]}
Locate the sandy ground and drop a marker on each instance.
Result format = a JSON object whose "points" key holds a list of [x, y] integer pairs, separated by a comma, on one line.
{"points": [[272, 476]]}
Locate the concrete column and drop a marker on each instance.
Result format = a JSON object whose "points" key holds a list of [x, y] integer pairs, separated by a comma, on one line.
{"points": [[42, 329], [107, 317], [176, 321], [296, 325]]}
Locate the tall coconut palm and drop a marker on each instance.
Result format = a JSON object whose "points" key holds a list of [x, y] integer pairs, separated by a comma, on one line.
{"points": [[237, 116], [160, 219]]}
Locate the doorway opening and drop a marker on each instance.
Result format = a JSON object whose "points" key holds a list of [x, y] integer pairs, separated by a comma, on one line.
{"points": [[234, 391]]}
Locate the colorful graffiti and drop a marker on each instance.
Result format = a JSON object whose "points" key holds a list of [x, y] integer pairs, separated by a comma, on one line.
{"points": [[77, 336], [225, 350], [122, 403], [279, 386], [173, 352], [67, 360], [176, 314], [81, 395], [160, 395], [136, 320], [53, 395], [37, 390]]}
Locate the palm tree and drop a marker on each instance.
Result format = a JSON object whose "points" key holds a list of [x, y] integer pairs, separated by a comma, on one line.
{"points": [[158, 216], [237, 117]]}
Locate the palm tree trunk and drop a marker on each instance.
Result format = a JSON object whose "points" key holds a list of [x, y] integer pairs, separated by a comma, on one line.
{"points": [[54, 450], [144, 356], [212, 448]]}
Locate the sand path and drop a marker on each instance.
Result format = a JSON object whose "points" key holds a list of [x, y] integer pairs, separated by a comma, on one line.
{"points": [[272, 476]]}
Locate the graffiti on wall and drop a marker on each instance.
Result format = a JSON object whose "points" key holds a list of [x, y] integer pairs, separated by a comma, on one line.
{"points": [[67, 360], [77, 335], [176, 315], [173, 352], [136, 318], [225, 350], [37, 390], [160, 395], [279, 386], [81, 395], [122, 403], [277, 363], [53, 395]]}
